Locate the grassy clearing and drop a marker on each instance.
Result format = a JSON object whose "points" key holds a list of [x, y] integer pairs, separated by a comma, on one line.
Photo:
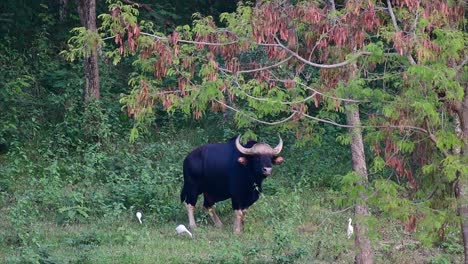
{"points": [[285, 227]]}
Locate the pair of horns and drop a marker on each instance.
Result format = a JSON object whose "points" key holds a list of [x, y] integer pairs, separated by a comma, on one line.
{"points": [[259, 148]]}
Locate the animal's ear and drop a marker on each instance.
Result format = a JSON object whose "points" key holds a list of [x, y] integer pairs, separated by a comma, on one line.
{"points": [[278, 160], [242, 160]]}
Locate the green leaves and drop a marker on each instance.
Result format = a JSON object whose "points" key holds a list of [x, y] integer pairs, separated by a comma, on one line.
{"points": [[352, 188], [388, 199], [377, 52], [82, 43], [453, 166], [239, 22], [378, 165], [447, 140], [451, 41]]}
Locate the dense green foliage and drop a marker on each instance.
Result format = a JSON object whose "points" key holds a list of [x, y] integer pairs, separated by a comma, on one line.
{"points": [[71, 180]]}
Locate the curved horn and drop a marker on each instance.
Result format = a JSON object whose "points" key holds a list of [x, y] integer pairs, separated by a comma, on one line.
{"points": [[279, 147], [241, 149]]}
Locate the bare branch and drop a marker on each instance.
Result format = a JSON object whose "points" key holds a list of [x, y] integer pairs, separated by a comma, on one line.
{"points": [[325, 66], [316, 119], [392, 15], [433, 137], [106, 38], [274, 101], [279, 44], [332, 6], [397, 29], [280, 102], [322, 94], [349, 126], [415, 22], [258, 69], [190, 41], [255, 119]]}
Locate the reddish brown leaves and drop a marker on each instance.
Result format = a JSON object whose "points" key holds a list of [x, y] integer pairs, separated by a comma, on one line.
{"points": [[359, 39], [144, 100], [233, 65], [337, 104], [289, 84], [371, 21], [167, 102], [410, 224], [270, 20], [216, 107], [164, 59], [316, 100], [339, 35], [181, 83], [197, 114], [299, 109], [395, 160], [401, 42], [173, 38], [310, 13], [263, 76], [133, 32], [412, 5]]}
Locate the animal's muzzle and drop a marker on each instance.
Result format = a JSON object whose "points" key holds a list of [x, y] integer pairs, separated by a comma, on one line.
{"points": [[266, 171]]}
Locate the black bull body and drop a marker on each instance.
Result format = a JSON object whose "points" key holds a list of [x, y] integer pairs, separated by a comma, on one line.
{"points": [[227, 170]]}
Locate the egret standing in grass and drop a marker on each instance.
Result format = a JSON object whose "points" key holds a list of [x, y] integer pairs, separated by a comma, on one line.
{"points": [[138, 215], [182, 229], [350, 229]]}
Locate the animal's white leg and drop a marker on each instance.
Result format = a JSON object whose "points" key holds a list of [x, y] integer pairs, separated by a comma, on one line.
{"points": [[244, 212], [238, 215], [214, 216], [190, 211]]}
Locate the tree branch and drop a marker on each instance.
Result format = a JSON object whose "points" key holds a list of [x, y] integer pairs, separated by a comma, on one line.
{"points": [[190, 41], [397, 29], [415, 22], [273, 101], [322, 94], [332, 6], [349, 126], [258, 69], [255, 119], [433, 137], [392, 15], [316, 119], [325, 66]]}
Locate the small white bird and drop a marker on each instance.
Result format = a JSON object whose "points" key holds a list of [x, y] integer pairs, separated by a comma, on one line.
{"points": [[138, 215], [350, 229], [182, 229]]}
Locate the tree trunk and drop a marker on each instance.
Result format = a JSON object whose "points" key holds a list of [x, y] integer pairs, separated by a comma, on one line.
{"points": [[62, 10], [87, 12], [462, 194], [365, 254]]}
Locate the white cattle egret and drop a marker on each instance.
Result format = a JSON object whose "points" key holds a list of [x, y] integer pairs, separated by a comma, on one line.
{"points": [[350, 229], [182, 229], [138, 215]]}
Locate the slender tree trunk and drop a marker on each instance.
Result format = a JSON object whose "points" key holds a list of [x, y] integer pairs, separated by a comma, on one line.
{"points": [[87, 11], [462, 193], [365, 255], [62, 10]]}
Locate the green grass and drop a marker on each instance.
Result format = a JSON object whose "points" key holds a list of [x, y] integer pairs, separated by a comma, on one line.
{"points": [[284, 227]]}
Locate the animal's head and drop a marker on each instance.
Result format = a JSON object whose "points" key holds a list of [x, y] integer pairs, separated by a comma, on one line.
{"points": [[260, 157]]}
